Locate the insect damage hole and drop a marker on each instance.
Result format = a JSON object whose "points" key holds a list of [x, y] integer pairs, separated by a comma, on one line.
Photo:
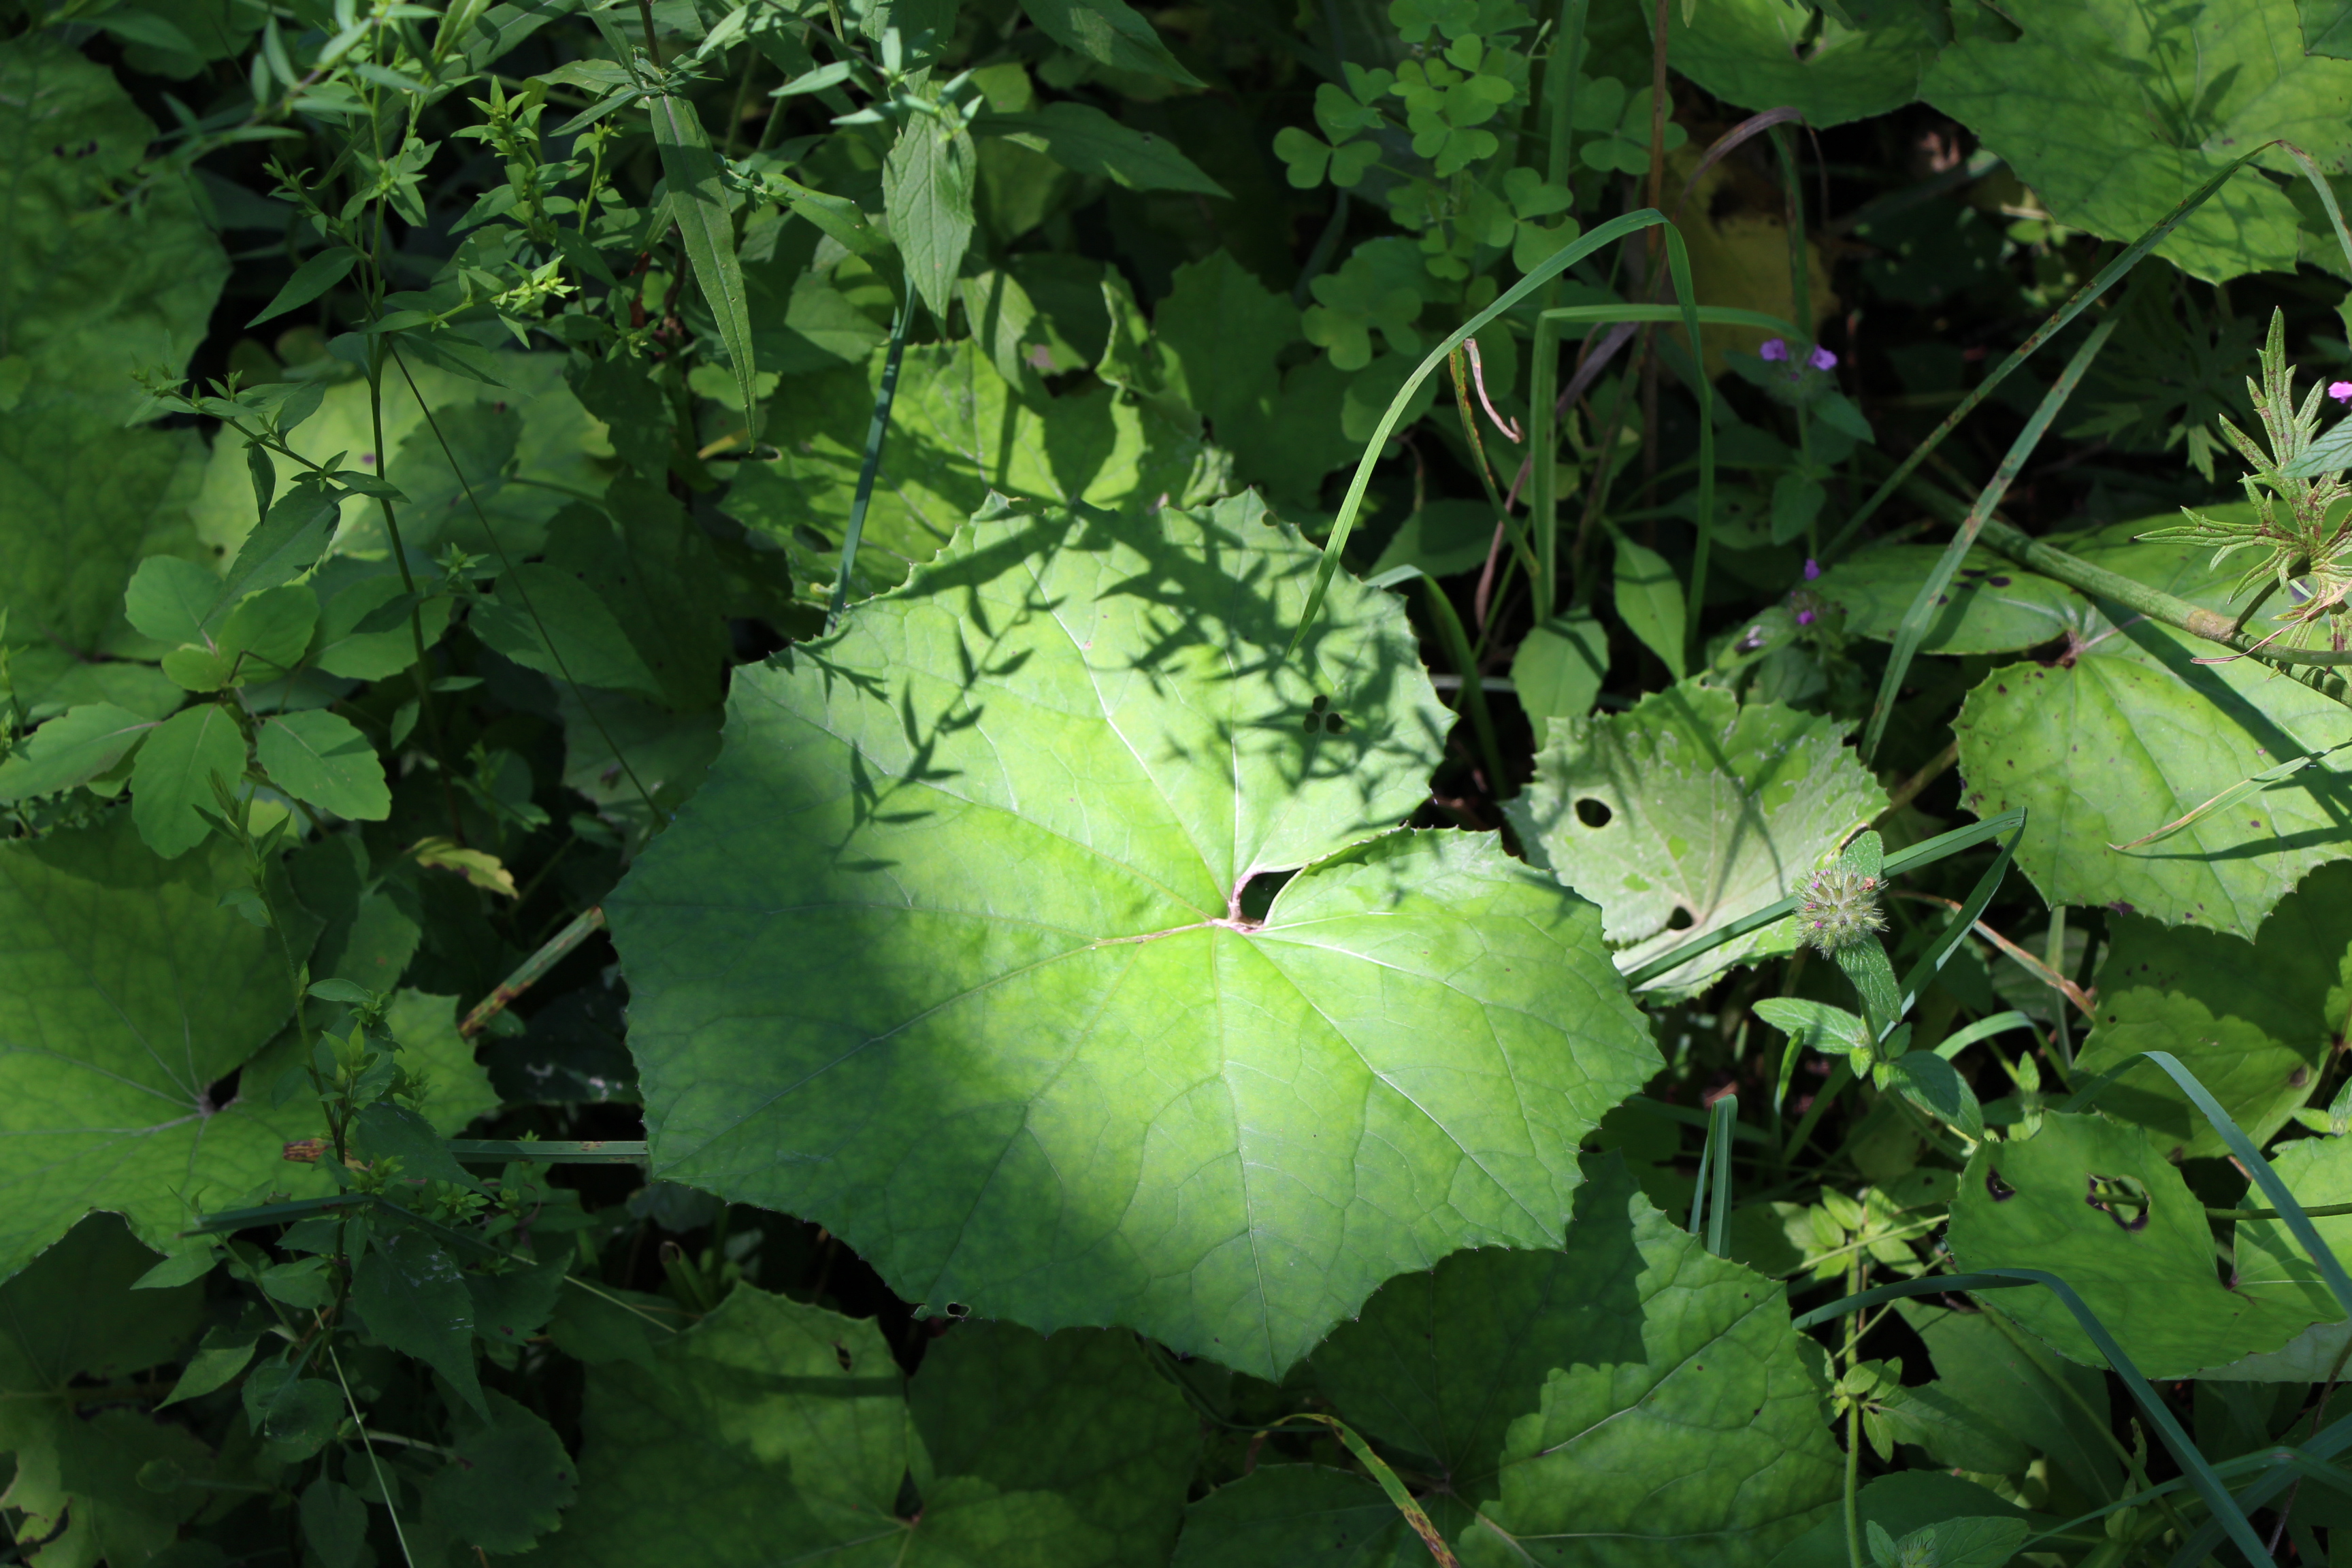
{"points": [[2123, 1199], [1593, 812]]}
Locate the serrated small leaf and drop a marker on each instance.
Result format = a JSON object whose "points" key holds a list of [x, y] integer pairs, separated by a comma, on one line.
{"points": [[927, 188], [323, 759], [414, 1298], [508, 1481]]}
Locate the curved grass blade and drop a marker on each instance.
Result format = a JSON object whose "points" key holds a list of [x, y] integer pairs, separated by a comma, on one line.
{"points": [[2237, 792], [2326, 1444], [1959, 1040], [1925, 852], [1915, 620], [1560, 262], [1923, 974], [1415, 1514]]}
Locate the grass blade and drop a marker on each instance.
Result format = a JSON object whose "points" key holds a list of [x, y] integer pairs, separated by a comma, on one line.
{"points": [[1915, 620], [1924, 972], [1925, 852], [1415, 1514], [1560, 262], [2074, 305]]}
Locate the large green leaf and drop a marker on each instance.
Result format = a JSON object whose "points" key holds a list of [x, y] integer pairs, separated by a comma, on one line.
{"points": [[2126, 733], [958, 431], [2252, 1021], [1298, 1516], [2114, 110], [72, 1318], [795, 1434], [1991, 606], [93, 289], [1085, 141], [956, 951], [1679, 1421], [2093, 1202], [127, 994], [1692, 809], [1763, 54]]}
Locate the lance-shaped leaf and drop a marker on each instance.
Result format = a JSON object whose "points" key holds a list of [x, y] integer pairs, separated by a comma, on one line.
{"points": [[128, 996], [1110, 33], [1991, 606], [2093, 1202], [794, 1429], [2126, 733], [1692, 807], [693, 167], [927, 184], [962, 950]]}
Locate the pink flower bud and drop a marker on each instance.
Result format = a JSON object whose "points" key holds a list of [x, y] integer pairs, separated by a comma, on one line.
{"points": [[1774, 349]]}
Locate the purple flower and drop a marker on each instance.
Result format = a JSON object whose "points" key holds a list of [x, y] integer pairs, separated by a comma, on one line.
{"points": [[1774, 349], [2340, 390], [1804, 617], [1823, 359], [1813, 569]]}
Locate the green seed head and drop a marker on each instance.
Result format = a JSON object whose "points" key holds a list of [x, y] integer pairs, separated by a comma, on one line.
{"points": [[1838, 910]]}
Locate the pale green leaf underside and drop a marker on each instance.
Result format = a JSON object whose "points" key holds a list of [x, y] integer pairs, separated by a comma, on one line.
{"points": [[1991, 606], [2145, 1267], [1707, 807], [948, 954], [2114, 110], [2131, 735], [1761, 54], [125, 993]]}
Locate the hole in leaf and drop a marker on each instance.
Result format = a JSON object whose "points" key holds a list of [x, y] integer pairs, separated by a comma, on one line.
{"points": [[2123, 1199], [1321, 703], [841, 1355], [2002, 1191], [1592, 813], [218, 1094], [1680, 919], [1334, 724]]}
